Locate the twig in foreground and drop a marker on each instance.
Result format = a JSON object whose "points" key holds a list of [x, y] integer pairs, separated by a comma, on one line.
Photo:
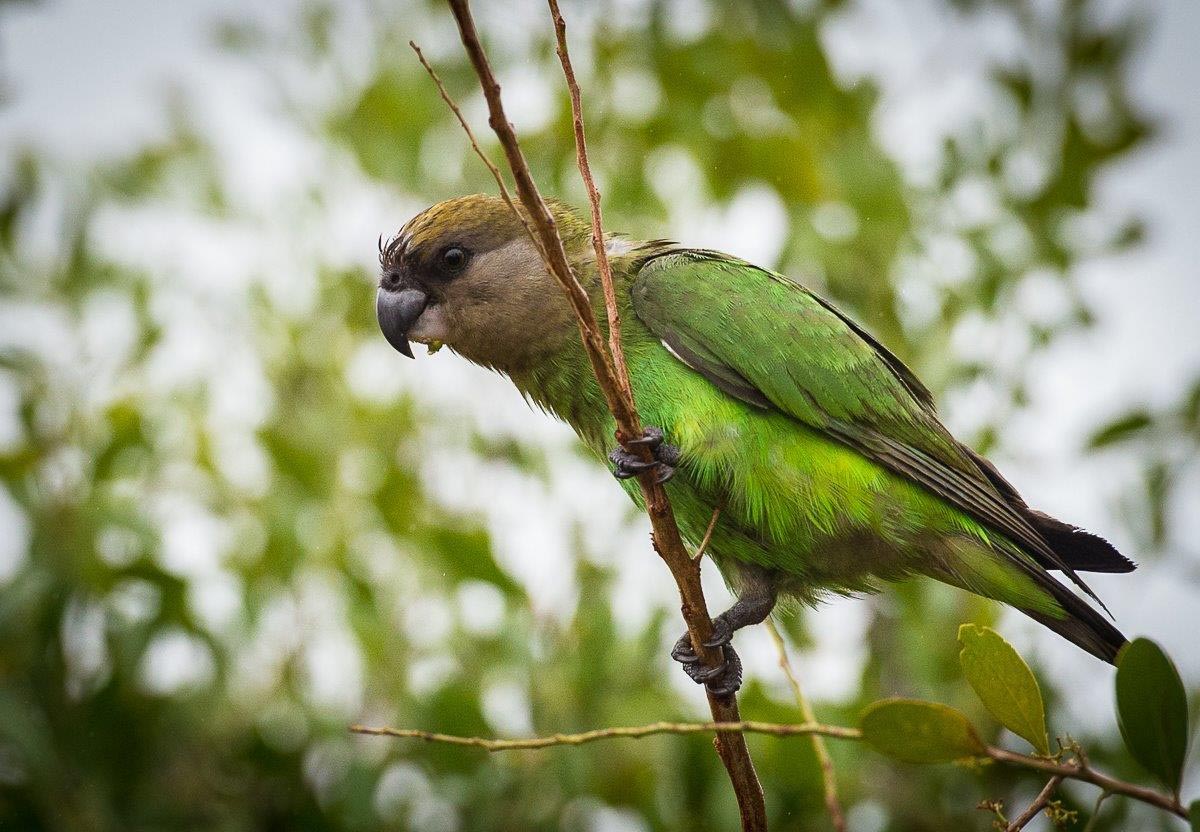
{"points": [[1095, 818], [1039, 803], [1085, 773], [1071, 770], [828, 777], [634, 732]]}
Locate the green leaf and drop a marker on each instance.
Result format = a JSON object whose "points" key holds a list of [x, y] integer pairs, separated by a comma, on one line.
{"points": [[1004, 683], [1194, 815], [1120, 429], [919, 732], [1152, 710]]}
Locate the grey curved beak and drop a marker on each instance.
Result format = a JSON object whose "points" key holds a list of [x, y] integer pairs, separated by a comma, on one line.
{"points": [[397, 311]]}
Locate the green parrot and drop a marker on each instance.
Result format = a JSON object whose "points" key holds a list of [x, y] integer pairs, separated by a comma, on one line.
{"points": [[822, 450]]}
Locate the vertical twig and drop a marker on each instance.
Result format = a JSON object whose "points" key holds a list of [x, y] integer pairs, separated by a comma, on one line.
{"points": [[828, 776], [667, 541], [585, 171]]}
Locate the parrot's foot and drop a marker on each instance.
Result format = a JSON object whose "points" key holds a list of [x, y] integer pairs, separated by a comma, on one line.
{"points": [[666, 457], [722, 680], [753, 605]]}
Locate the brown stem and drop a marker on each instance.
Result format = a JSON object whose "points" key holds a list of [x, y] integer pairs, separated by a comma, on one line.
{"points": [[1039, 803], [774, 729], [1095, 818], [454, 108], [585, 171], [731, 747], [708, 533], [1076, 771]]}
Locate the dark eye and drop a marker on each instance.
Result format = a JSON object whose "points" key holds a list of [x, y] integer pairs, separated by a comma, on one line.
{"points": [[454, 258]]}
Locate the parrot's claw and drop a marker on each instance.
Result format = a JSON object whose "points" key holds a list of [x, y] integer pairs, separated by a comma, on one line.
{"points": [[651, 437], [722, 680], [666, 457], [722, 632], [682, 652]]}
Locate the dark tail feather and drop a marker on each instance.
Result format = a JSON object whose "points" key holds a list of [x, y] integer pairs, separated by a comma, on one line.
{"points": [[1082, 625], [1080, 550]]}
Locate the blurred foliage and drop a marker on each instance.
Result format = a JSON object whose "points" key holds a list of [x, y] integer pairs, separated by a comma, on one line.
{"points": [[226, 544]]}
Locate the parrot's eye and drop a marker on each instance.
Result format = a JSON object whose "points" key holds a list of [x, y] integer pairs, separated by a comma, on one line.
{"points": [[454, 258]]}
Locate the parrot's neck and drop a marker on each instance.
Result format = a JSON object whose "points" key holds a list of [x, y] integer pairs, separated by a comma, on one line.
{"points": [[565, 386], [563, 383]]}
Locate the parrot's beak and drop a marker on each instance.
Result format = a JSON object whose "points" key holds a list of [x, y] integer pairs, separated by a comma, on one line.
{"points": [[397, 311]]}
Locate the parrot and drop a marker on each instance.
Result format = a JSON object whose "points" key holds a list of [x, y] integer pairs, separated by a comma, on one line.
{"points": [[810, 457]]}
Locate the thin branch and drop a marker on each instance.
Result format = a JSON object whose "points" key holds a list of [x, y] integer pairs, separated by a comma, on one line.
{"points": [[708, 533], [833, 805], [585, 171], [667, 541], [1039, 803], [1071, 770], [1095, 818], [491, 166], [1086, 774], [635, 732]]}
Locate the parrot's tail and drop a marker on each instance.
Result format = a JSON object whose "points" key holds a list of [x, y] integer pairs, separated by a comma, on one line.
{"points": [[1081, 624], [1004, 572], [1079, 549]]}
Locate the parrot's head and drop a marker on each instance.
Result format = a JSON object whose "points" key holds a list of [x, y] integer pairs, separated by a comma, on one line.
{"points": [[464, 273]]}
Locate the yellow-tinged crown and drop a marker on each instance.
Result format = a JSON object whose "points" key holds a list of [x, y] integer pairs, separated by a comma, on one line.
{"points": [[485, 220]]}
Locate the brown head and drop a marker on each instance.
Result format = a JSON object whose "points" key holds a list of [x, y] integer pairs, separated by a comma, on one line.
{"points": [[465, 273]]}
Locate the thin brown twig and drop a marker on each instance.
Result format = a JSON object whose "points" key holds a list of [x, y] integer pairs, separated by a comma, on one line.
{"points": [[1071, 770], [708, 533], [666, 538], [833, 805], [1039, 803], [632, 732], [1095, 818], [491, 166], [585, 171], [1076, 771]]}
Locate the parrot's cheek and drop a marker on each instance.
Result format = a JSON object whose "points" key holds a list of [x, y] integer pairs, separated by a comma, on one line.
{"points": [[431, 326]]}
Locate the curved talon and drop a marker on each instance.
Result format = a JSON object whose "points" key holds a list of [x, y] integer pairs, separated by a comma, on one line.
{"points": [[707, 674], [721, 680], [683, 652], [651, 437], [722, 633], [627, 464], [731, 686]]}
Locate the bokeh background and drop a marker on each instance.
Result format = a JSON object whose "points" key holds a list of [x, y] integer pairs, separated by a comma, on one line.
{"points": [[233, 521]]}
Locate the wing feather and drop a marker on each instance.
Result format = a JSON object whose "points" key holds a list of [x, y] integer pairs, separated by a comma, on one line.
{"points": [[768, 341]]}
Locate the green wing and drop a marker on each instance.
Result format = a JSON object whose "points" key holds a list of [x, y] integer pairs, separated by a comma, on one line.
{"points": [[769, 341]]}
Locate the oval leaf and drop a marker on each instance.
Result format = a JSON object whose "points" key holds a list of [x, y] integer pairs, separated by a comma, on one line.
{"points": [[1120, 429], [1194, 815], [1152, 710], [1004, 683], [919, 732]]}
